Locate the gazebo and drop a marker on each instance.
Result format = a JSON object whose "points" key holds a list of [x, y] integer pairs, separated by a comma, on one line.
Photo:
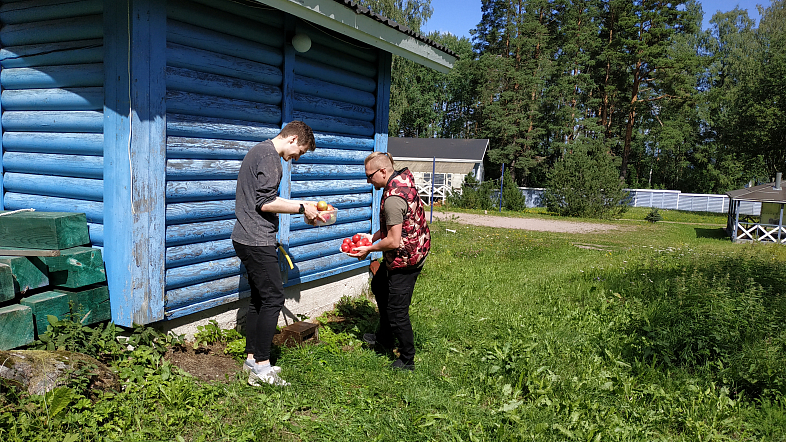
{"points": [[769, 227]]}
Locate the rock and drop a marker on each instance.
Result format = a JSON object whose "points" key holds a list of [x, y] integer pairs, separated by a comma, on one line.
{"points": [[39, 371]]}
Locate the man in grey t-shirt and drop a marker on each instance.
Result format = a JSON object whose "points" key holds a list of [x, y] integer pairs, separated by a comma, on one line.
{"points": [[257, 206]]}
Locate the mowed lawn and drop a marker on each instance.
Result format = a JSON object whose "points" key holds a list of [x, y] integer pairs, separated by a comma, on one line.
{"points": [[649, 332]]}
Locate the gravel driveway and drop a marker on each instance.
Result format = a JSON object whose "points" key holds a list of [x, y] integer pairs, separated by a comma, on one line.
{"points": [[544, 225]]}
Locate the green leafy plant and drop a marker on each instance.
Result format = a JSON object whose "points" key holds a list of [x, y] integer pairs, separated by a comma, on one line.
{"points": [[212, 333]]}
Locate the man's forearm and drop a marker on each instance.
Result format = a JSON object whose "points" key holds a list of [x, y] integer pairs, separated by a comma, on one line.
{"points": [[281, 205]]}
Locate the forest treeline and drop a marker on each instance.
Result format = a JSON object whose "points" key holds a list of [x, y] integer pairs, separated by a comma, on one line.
{"points": [[638, 81]]}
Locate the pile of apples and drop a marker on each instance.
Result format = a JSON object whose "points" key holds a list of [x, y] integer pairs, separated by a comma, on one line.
{"points": [[357, 240], [323, 206]]}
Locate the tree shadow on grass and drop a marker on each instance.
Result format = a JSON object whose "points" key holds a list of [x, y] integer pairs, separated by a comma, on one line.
{"points": [[714, 233], [719, 315]]}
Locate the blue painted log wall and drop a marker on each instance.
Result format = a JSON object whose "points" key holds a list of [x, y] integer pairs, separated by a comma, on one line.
{"points": [[52, 77], [231, 84], [231, 80]]}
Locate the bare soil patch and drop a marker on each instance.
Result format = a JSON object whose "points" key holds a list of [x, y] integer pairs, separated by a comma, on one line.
{"points": [[543, 225], [204, 363]]}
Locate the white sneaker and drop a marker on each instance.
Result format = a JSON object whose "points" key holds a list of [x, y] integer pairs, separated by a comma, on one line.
{"points": [[249, 365], [268, 376]]}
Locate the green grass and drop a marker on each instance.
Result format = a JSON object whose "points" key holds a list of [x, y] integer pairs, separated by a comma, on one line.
{"points": [[649, 332]]}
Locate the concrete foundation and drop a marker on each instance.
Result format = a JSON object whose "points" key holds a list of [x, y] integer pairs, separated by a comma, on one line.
{"points": [[310, 299]]}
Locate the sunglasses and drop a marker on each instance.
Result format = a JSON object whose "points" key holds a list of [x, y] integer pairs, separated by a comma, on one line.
{"points": [[368, 177]]}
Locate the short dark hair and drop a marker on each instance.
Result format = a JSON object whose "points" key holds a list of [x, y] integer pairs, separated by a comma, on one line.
{"points": [[304, 134]]}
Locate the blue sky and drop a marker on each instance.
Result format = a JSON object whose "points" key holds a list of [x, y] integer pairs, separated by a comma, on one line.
{"points": [[459, 16]]}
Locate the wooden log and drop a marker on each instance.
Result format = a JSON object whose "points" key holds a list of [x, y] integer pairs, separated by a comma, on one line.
{"points": [[224, 22], [325, 89], [43, 230], [40, 371], [199, 232], [54, 186], [188, 191], [202, 272], [200, 211], [53, 54], [93, 210], [327, 123], [302, 172], [207, 149], [201, 38], [188, 103], [340, 59], [28, 272], [35, 11], [218, 128], [311, 189], [77, 75], [47, 303], [52, 31], [76, 267], [214, 63], [75, 166], [206, 291], [6, 283], [54, 121], [16, 326], [90, 305], [188, 80], [266, 16], [55, 143], [82, 98], [192, 169], [314, 69], [179, 256], [336, 108]]}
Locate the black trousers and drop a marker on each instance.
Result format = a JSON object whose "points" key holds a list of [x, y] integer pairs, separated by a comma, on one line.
{"points": [[267, 297], [393, 292]]}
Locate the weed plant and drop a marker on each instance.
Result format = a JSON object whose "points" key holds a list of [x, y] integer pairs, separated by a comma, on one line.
{"points": [[657, 332]]}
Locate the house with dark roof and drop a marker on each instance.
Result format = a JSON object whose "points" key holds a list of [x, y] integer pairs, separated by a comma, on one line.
{"points": [[769, 225], [449, 160], [139, 112]]}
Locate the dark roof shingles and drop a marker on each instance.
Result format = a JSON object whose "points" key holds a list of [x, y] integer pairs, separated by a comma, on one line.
{"points": [[359, 9]]}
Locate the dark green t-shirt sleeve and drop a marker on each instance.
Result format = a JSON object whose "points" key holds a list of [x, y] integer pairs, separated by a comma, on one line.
{"points": [[395, 210]]}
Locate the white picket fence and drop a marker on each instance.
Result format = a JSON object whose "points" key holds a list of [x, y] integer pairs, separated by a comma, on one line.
{"points": [[661, 199]]}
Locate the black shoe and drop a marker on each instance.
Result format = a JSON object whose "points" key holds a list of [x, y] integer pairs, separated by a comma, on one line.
{"points": [[398, 364], [370, 339]]}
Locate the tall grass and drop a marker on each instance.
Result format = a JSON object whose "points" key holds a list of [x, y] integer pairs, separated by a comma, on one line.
{"points": [[649, 332]]}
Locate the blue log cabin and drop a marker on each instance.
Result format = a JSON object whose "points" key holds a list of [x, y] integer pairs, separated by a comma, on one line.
{"points": [[139, 112]]}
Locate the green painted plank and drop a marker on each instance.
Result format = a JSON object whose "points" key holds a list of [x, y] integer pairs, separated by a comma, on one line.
{"points": [[16, 326], [29, 273], [43, 230], [47, 303], [76, 267], [89, 306], [6, 283]]}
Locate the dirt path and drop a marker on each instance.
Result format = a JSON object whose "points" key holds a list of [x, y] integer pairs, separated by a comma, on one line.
{"points": [[545, 225]]}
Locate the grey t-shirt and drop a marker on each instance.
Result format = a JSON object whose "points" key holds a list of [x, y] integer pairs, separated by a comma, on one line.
{"points": [[257, 185]]}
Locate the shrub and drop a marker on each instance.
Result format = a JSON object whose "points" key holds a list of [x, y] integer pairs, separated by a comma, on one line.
{"points": [[473, 195], [585, 183], [653, 216]]}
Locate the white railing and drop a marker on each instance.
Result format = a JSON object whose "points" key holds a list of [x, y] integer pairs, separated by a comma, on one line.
{"points": [[440, 192], [747, 231]]}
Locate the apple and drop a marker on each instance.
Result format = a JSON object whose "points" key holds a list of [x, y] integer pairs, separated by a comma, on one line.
{"points": [[322, 206]]}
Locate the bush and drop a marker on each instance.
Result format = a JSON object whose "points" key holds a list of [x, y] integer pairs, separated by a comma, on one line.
{"points": [[512, 198], [653, 216], [485, 195], [585, 183], [473, 195]]}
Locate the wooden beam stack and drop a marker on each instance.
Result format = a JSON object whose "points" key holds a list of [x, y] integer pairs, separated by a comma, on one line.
{"points": [[47, 268]]}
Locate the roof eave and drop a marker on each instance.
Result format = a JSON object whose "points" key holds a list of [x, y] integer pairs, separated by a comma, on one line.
{"points": [[339, 18]]}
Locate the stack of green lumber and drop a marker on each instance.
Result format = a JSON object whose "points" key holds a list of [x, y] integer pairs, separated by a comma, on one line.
{"points": [[47, 268]]}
